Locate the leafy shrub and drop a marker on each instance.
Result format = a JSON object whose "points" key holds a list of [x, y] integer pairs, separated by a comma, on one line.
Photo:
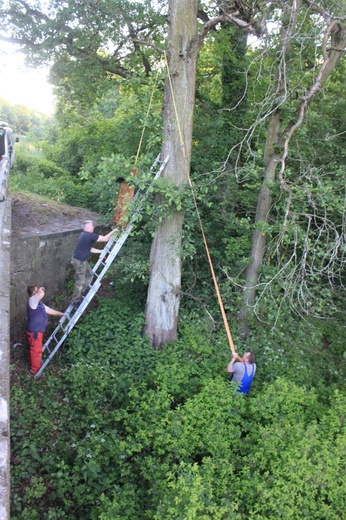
{"points": [[35, 174], [122, 431], [32, 163]]}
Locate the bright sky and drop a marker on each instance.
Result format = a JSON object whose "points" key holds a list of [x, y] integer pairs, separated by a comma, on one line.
{"points": [[22, 86]]}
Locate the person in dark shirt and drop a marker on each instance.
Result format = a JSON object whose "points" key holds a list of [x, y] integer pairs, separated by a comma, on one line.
{"points": [[36, 325], [84, 273]]}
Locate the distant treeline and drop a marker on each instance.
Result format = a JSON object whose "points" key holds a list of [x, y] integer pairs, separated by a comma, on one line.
{"points": [[20, 118]]}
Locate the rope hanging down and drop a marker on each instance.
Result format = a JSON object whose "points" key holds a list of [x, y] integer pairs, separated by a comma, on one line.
{"points": [[146, 119], [221, 305]]}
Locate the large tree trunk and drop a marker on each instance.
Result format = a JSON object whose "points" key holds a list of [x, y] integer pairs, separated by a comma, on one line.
{"points": [[165, 260], [259, 238]]}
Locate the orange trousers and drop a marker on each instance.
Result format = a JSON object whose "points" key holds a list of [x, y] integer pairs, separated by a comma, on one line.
{"points": [[35, 340]]}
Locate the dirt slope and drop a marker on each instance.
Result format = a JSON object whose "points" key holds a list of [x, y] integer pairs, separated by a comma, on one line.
{"points": [[35, 214]]}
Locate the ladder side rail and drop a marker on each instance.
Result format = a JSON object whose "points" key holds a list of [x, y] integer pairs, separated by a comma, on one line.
{"points": [[47, 360], [108, 250], [59, 328], [142, 195], [81, 308], [156, 161], [70, 326], [52, 337], [119, 244], [115, 238], [72, 319]]}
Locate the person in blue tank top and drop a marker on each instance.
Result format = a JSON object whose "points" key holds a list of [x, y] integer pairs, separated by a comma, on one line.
{"points": [[36, 325], [242, 371]]}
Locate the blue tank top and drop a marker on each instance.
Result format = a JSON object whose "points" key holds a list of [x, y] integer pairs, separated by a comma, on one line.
{"points": [[37, 318], [246, 381]]}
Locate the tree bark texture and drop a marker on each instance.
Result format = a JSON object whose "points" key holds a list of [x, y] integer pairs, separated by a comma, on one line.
{"points": [[179, 97]]}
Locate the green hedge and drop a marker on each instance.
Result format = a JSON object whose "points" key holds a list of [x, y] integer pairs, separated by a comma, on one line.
{"points": [[116, 430]]}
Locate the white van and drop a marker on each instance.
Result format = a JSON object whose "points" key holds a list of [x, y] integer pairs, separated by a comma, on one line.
{"points": [[7, 143]]}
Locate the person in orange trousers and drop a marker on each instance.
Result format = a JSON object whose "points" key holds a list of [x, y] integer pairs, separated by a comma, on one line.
{"points": [[36, 325]]}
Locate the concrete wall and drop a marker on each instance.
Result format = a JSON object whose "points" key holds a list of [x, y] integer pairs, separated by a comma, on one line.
{"points": [[42, 260], [5, 242]]}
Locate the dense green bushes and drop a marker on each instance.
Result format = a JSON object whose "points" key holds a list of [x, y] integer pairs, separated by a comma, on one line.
{"points": [[35, 174], [122, 431]]}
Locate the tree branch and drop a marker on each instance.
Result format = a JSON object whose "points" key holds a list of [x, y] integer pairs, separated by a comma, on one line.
{"points": [[327, 67], [34, 12], [18, 41], [148, 44]]}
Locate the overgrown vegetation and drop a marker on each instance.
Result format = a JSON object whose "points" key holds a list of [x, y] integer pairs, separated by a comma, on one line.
{"points": [[116, 430]]}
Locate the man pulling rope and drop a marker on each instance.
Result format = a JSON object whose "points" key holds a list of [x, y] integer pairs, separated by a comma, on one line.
{"points": [[242, 370]]}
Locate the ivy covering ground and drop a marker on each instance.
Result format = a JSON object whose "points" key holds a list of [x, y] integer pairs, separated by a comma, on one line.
{"points": [[114, 430]]}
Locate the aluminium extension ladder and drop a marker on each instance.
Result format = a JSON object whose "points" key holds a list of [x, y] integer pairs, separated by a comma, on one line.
{"points": [[110, 251]]}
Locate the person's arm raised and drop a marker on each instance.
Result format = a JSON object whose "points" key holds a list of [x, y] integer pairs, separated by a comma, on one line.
{"points": [[229, 368], [105, 238]]}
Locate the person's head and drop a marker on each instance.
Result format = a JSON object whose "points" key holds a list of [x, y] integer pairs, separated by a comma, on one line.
{"points": [[249, 357], [88, 225], [32, 289]]}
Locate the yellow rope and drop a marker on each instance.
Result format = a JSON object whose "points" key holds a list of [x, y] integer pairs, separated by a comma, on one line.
{"points": [[174, 103], [146, 118], [221, 305]]}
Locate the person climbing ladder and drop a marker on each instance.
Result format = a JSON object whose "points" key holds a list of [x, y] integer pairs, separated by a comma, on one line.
{"points": [[84, 273]]}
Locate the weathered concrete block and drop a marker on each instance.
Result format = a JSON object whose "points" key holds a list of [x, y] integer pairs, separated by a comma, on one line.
{"points": [[5, 226]]}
